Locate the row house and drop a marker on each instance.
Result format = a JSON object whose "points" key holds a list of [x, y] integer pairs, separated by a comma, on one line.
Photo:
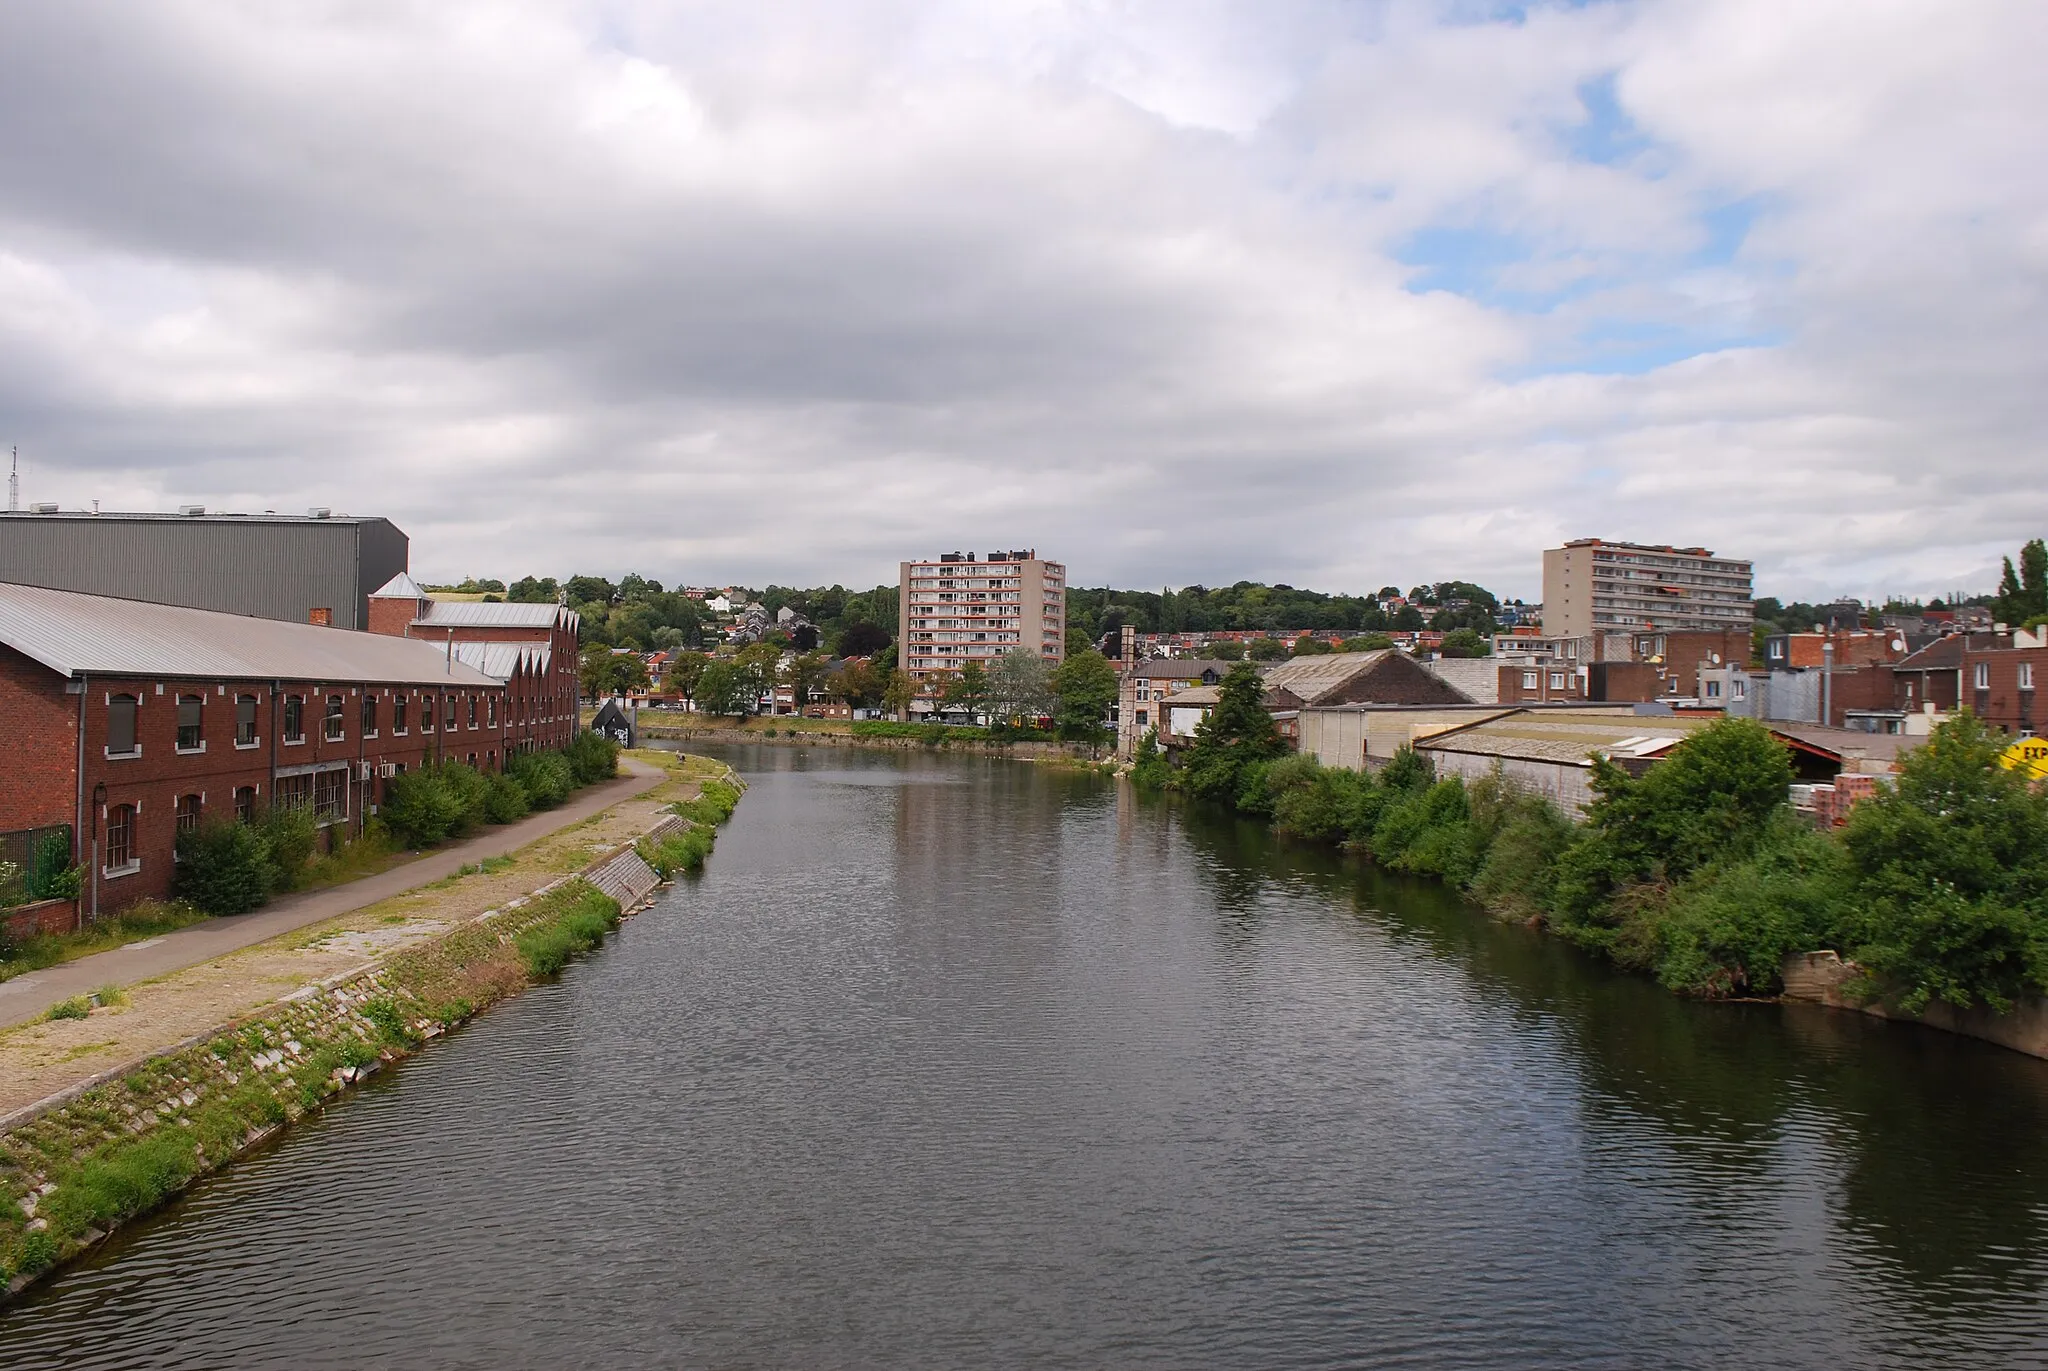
{"points": [[529, 649], [125, 722]]}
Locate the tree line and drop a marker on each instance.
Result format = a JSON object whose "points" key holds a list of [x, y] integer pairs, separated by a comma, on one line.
{"points": [[1699, 871]]}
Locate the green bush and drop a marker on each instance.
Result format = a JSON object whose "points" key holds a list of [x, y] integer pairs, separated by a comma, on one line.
{"points": [[592, 757], [1727, 929], [586, 914], [289, 834], [224, 866], [125, 1180], [545, 777], [51, 875], [1150, 770], [505, 802], [674, 852], [436, 803], [714, 804]]}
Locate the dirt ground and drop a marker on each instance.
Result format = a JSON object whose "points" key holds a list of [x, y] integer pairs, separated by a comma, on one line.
{"points": [[39, 1059]]}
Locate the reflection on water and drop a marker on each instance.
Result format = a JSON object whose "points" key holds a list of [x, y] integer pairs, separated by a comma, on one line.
{"points": [[961, 1062]]}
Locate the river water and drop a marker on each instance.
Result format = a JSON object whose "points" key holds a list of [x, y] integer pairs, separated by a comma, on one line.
{"points": [[961, 1062]]}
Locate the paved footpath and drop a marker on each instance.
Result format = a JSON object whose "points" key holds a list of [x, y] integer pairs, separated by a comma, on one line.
{"points": [[30, 996]]}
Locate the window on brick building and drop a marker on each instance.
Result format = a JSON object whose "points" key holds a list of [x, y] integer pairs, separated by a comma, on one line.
{"points": [[295, 718], [1557, 680], [188, 813], [398, 713], [491, 712], [191, 723], [472, 710], [1531, 681], [2026, 675], [334, 726], [426, 714], [1980, 676], [369, 715], [330, 795], [121, 837], [245, 721], [448, 720], [245, 803], [121, 740]]}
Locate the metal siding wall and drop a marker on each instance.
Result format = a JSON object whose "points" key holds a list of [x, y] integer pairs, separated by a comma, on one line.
{"points": [[382, 552], [269, 569]]}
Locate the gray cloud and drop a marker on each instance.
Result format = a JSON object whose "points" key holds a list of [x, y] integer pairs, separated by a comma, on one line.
{"points": [[728, 291]]}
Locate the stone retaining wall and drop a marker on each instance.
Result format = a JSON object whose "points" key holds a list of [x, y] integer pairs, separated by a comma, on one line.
{"points": [[141, 1132], [1824, 978]]}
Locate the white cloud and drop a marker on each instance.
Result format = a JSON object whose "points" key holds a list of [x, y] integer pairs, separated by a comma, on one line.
{"points": [[729, 290]]}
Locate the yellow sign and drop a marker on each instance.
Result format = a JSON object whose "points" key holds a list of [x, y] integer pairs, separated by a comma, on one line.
{"points": [[2029, 755]]}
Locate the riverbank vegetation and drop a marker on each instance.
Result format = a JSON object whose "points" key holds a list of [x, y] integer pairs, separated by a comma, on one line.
{"points": [[1698, 871], [124, 1148], [230, 865]]}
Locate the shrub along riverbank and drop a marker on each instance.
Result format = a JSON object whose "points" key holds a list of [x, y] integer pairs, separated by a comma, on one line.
{"points": [[230, 866], [1699, 871]]}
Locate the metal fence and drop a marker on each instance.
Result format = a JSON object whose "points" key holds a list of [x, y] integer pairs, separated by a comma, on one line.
{"points": [[30, 858]]}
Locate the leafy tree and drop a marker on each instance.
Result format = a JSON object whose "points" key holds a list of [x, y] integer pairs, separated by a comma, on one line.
{"points": [[1407, 618], [684, 671], [1265, 650], [1085, 686], [1019, 687], [1224, 650], [805, 675], [1370, 642], [862, 639], [1238, 734], [2023, 594], [1710, 799], [528, 591], [968, 689], [725, 687], [858, 684], [1306, 646], [1464, 642], [899, 692], [591, 590], [1952, 863]]}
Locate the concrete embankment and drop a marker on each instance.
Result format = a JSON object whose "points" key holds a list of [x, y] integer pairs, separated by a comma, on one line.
{"points": [[1824, 978], [111, 1148]]}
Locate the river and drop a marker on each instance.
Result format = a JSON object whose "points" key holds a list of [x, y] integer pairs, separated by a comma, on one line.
{"points": [[959, 1062]]}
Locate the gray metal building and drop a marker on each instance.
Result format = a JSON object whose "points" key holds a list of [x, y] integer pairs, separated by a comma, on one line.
{"points": [[273, 566]]}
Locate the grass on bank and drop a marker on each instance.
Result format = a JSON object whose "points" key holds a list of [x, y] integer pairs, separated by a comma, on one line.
{"points": [[144, 919], [104, 1172]]}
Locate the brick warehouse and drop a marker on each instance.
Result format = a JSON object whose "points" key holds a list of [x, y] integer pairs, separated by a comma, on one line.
{"points": [[528, 648], [125, 721]]}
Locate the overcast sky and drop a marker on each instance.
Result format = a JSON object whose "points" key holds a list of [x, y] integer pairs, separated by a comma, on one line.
{"points": [[1335, 294]]}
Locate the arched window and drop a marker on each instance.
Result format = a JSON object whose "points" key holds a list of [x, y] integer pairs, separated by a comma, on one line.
{"points": [[295, 718], [398, 713], [121, 837], [245, 803], [491, 712], [121, 739], [369, 713], [245, 721], [472, 709], [191, 719], [334, 725], [188, 813], [449, 721]]}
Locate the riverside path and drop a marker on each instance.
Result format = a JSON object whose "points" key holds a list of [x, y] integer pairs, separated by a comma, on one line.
{"points": [[30, 996]]}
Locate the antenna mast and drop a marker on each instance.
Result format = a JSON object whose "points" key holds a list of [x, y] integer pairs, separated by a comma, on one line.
{"points": [[14, 484]]}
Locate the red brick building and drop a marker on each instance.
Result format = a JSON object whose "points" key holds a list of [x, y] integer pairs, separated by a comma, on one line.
{"points": [[125, 721], [529, 649]]}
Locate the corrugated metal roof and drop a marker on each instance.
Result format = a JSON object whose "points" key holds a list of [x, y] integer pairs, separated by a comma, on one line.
{"points": [[1567, 737], [1477, 678], [399, 587], [1307, 678], [72, 633], [476, 614], [500, 660]]}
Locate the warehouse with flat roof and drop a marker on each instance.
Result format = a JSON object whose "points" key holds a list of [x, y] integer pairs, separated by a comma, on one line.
{"points": [[318, 568]]}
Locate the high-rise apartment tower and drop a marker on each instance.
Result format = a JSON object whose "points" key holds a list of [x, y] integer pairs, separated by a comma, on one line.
{"points": [[959, 608], [1590, 585]]}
